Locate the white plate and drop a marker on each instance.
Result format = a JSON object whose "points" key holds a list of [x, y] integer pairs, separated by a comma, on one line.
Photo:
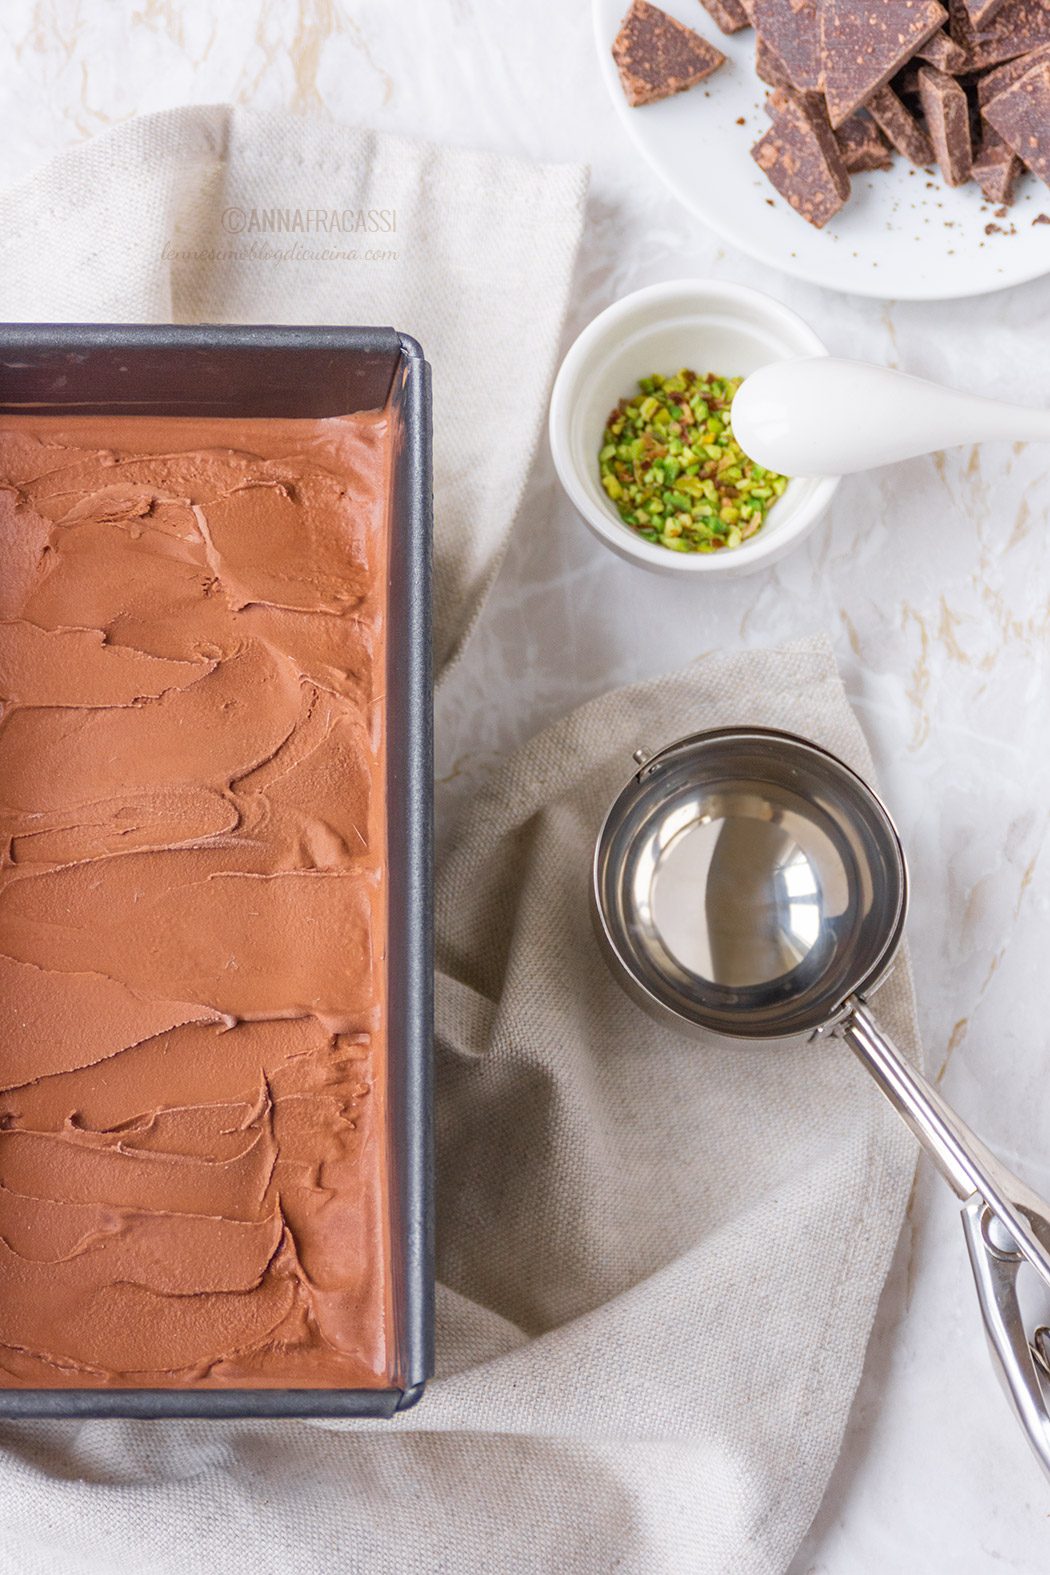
{"points": [[904, 235]]}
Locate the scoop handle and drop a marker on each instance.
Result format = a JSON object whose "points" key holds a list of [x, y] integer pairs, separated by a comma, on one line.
{"points": [[1020, 1360], [968, 1167], [1005, 1223]]}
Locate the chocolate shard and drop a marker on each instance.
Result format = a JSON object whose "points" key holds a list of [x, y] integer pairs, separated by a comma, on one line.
{"points": [[863, 43], [900, 126], [768, 64], [996, 169], [801, 158], [862, 145], [1021, 116], [774, 105], [906, 84], [657, 56], [947, 112], [729, 14], [943, 52], [1016, 28], [981, 11], [1005, 76], [792, 32]]}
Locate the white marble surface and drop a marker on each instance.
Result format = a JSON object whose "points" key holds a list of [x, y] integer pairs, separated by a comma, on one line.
{"points": [[933, 581]]}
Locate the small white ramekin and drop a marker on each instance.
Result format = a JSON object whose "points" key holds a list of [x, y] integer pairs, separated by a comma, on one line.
{"points": [[729, 329]]}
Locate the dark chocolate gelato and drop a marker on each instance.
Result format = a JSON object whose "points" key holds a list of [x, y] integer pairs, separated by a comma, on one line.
{"points": [[192, 902]]}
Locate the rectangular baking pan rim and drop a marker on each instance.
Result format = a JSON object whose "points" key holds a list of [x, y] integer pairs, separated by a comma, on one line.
{"points": [[390, 366]]}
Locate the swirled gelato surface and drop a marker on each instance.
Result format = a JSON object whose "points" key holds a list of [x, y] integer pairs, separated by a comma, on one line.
{"points": [[192, 902]]}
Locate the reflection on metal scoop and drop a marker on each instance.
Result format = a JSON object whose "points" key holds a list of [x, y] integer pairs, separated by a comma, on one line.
{"points": [[748, 883], [762, 900]]}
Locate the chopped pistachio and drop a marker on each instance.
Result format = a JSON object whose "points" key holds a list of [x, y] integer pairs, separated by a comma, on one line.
{"points": [[696, 492]]}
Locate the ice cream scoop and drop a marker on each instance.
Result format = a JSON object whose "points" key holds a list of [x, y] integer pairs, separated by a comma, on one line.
{"points": [[824, 416], [747, 884]]}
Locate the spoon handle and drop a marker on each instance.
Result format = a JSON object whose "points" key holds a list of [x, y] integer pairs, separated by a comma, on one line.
{"points": [[969, 1168], [1012, 423], [828, 416], [1031, 426]]}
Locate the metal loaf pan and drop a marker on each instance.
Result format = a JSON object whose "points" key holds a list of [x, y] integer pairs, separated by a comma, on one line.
{"points": [[64, 369]]}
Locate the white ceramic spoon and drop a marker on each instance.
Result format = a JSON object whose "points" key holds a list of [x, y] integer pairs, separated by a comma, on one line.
{"points": [[828, 417]]}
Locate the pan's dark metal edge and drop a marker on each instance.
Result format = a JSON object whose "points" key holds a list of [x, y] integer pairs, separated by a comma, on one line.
{"points": [[185, 361], [199, 1404], [410, 819], [362, 368]]}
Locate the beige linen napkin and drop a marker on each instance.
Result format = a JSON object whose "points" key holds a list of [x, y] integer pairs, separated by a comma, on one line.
{"points": [[164, 219], [658, 1261]]}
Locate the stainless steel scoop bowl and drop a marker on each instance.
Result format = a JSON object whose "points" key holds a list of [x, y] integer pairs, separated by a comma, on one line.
{"points": [[747, 883]]}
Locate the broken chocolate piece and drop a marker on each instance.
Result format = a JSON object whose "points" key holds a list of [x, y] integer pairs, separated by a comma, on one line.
{"points": [[1005, 76], [729, 14], [899, 125], [862, 145], [800, 156], [996, 168], [774, 104], [863, 43], [657, 56], [980, 12], [792, 32], [857, 80], [906, 84], [1021, 116], [943, 52], [768, 64], [947, 113], [1016, 28]]}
